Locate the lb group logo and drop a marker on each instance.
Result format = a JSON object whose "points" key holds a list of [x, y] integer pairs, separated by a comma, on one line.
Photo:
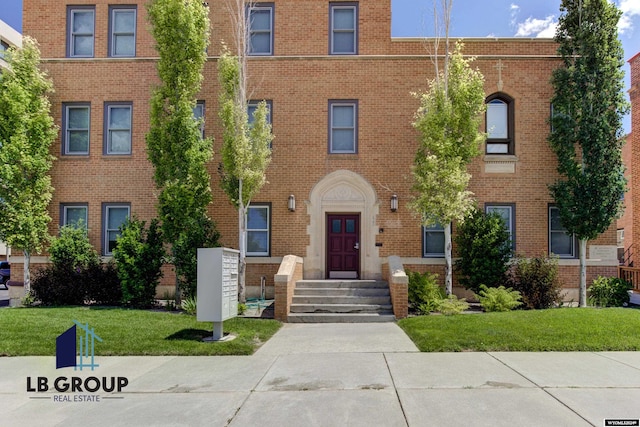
{"points": [[75, 348]]}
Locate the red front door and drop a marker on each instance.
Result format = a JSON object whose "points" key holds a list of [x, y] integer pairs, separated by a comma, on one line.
{"points": [[343, 246]]}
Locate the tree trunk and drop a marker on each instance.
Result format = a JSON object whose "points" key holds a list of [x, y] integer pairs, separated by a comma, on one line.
{"points": [[583, 273], [448, 270], [242, 239], [27, 274]]}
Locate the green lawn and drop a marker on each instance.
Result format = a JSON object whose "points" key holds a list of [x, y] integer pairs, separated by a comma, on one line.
{"points": [[33, 332], [564, 329]]}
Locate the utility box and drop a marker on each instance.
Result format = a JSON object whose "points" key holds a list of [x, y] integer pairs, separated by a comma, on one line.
{"points": [[217, 287]]}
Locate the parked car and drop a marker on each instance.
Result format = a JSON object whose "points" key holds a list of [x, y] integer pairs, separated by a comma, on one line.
{"points": [[5, 273]]}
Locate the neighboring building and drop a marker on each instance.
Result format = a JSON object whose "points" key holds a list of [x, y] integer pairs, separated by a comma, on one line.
{"points": [[339, 88], [632, 222]]}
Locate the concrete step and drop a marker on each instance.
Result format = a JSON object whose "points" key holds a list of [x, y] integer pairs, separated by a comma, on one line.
{"points": [[340, 308], [325, 284], [328, 299], [341, 317], [341, 292]]}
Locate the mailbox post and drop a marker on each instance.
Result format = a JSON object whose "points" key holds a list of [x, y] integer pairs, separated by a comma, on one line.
{"points": [[217, 288]]}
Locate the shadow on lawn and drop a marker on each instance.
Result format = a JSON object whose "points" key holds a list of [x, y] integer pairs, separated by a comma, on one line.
{"points": [[189, 335]]}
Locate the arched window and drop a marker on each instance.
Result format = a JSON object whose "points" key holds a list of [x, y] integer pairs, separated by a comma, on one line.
{"points": [[499, 122]]}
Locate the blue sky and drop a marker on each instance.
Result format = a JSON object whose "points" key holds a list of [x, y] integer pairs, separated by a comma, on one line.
{"points": [[469, 18]]}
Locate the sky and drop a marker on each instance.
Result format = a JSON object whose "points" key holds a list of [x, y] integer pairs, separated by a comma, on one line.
{"points": [[469, 18]]}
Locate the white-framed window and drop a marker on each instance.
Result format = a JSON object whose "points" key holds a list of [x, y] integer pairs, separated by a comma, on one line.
{"points": [[113, 216], [198, 115], [117, 128], [258, 229], [4, 46], [343, 126], [343, 34], [561, 243], [74, 214], [500, 124], [76, 119], [122, 31], [260, 17], [433, 241], [80, 31], [508, 213]]}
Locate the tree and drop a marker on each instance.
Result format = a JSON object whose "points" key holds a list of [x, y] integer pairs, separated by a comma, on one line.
{"points": [[246, 152], [175, 145], [448, 120], [588, 106], [26, 133]]}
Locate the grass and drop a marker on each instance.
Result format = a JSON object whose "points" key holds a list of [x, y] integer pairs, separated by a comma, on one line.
{"points": [[563, 329], [33, 332]]}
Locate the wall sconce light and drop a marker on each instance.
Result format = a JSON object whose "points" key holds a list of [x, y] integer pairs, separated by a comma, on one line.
{"points": [[394, 202], [292, 203]]}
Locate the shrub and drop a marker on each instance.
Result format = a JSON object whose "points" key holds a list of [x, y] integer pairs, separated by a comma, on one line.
{"points": [[498, 299], [139, 255], [58, 285], [424, 292], [102, 284], [537, 281], [190, 305], [452, 305], [202, 234], [72, 249], [484, 250], [609, 292]]}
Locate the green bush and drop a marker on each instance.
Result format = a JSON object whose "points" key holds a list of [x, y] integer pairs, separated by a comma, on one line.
{"points": [[537, 281], [102, 284], [498, 299], [139, 255], [57, 285], [484, 250], [72, 249], [609, 292], [424, 292], [452, 305], [202, 234]]}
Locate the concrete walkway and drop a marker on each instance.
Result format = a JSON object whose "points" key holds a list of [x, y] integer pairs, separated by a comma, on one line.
{"points": [[335, 375]]}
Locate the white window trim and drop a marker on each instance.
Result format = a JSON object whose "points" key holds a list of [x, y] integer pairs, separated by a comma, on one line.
{"points": [[512, 220], [426, 254], [105, 224], [67, 206], [261, 7], [108, 129], [354, 106], [268, 229], [333, 31], [574, 252], [66, 148], [72, 35]]}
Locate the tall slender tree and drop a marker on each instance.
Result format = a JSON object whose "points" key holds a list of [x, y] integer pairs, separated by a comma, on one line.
{"points": [[587, 133], [174, 143], [246, 152], [26, 133]]}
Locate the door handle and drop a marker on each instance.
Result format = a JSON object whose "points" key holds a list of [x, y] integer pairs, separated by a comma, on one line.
{"points": [[357, 246]]}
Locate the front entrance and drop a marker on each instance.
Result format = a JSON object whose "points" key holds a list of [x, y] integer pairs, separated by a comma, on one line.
{"points": [[343, 246]]}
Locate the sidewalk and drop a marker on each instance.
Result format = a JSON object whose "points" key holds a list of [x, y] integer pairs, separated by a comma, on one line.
{"points": [[337, 375]]}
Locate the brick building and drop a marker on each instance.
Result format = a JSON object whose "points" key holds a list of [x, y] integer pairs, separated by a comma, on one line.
{"points": [[630, 222], [339, 88]]}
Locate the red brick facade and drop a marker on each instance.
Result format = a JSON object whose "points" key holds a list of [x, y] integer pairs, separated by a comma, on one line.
{"points": [[632, 222], [300, 79]]}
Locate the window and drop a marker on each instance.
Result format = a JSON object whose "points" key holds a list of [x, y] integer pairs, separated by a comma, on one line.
{"points": [[343, 125], [500, 128], [260, 16], [507, 212], [433, 241], [117, 128], [198, 115], [75, 122], [73, 214], [252, 106], [81, 27], [3, 48], [113, 216], [122, 31], [561, 243], [258, 230], [343, 33]]}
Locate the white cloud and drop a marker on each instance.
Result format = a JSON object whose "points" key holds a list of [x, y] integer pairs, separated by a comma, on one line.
{"points": [[514, 9], [533, 27], [630, 9]]}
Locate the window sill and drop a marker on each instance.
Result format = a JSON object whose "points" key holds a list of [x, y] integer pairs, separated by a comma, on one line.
{"points": [[500, 163]]}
